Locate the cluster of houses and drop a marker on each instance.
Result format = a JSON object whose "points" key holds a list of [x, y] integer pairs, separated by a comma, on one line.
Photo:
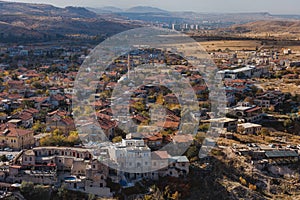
{"points": [[45, 95], [262, 155], [87, 170]]}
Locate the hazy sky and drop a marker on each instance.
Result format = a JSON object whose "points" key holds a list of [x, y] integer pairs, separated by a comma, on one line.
{"points": [[272, 6]]}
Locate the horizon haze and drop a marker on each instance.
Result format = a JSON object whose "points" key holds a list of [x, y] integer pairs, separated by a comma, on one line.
{"points": [[287, 7]]}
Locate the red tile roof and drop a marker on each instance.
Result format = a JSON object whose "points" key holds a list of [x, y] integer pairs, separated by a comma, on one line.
{"points": [[253, 109], [14, 132], [160, 155]]}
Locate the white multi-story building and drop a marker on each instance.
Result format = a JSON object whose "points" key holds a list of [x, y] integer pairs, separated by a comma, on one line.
{"points": [[131, 155]]}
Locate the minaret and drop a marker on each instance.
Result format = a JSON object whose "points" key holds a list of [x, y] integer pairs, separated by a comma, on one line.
{"points": [[128, 66]]}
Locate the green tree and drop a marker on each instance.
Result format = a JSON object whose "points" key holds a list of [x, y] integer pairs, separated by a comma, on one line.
{"points": [[287, 123], [3, 158], [91, 197], [26, 187], [38, 127], [204, 127], [62, 192], [192, 152], [117, 139], [264, 132]]}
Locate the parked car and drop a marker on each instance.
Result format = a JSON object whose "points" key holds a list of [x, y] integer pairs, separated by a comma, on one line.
{"points": [[7, 149], [9, 156]]}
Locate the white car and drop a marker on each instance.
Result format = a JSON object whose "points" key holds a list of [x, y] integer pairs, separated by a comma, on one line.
{"points": [[7, 149], [9, 156]]}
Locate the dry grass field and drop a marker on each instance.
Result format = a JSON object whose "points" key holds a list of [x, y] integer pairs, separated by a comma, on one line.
{"points": [[239, 45], [234, 45], [279, 84]]}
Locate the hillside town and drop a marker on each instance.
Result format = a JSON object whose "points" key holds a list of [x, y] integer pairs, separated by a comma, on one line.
{"points": [[191, 100], [40, 143]]}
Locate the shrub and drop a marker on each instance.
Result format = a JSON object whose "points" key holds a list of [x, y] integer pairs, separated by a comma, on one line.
{"points": [[252, 187], [243, 181]]}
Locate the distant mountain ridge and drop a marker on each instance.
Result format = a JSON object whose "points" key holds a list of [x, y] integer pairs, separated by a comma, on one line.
{"points": [[107, 9], [145, 9], [152, 14], [24, 22], [272, 26], [136, 9], [10, 8]]}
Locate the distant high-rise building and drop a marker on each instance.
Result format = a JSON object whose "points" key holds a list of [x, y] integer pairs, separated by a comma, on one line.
{"points": [[173, 27]]}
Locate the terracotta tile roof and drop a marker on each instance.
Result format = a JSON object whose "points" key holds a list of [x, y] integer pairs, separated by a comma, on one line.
{"points": [[15, 83], [106, 110], [66, 80], [106, 124], [68, 96], [39, 99], [32, 74], [15, 166], [100, 103], [200, 88], [14, 132], [139, 118], [53, 88], [7, 125], [31, 110], [3, 94], [160, 155], [24, 116], [183, 138], [253, 109], [58, 112], [58, 97], [103, 116], [155, 137], [168, 124], [173, 118], [68, 121], [14, 96]]}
